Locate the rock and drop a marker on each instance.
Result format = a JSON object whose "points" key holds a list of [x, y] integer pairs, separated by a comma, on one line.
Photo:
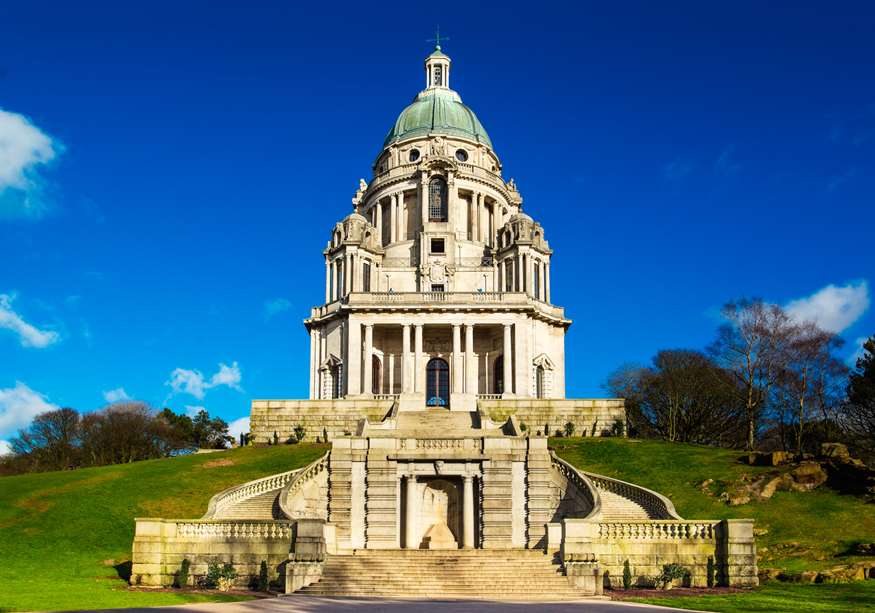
{"points": [[808, 576], [760, 532], [864, 549], [769, 574], [837, 451], [737, 496], [776, 458], [807, 476], [705, 486], [770, 485]]}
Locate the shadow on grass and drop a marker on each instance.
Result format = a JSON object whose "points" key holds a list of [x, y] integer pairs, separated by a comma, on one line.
{"points": [[124, 570]]}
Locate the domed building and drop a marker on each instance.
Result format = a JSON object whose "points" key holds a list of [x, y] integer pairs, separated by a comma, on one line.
{"points": [[437, 372], [437, 286]]}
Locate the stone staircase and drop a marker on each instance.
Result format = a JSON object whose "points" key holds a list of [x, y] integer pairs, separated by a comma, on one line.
{"points": [[619, 508], [460, 574], [262, 506]]}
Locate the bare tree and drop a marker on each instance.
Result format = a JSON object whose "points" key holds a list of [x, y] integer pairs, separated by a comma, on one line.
{"points": [[807, 382], [752, 346]]}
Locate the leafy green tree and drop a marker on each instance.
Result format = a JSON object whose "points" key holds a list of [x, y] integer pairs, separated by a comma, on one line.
{"points": [[210, 432]]}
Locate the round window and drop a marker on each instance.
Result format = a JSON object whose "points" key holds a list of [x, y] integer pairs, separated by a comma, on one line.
{"points": [[461, 155], [414, 155]]}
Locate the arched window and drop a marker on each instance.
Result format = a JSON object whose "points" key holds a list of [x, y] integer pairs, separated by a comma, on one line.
{"points": [[536, 281], [539, 383], [498, 375], [437, 383], [437, 199]]}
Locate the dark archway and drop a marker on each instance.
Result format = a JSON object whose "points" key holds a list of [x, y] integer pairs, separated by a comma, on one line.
{"points": [[437, 383], [376, 375], [498, 375]]}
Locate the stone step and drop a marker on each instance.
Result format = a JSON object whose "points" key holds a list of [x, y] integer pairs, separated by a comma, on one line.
{"points": [[262, 506]]}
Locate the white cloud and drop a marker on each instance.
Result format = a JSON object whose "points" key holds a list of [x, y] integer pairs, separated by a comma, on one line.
{"points": [[192, 410], [275, 307], [116, 395], [238, 427], [833, 308], [23, 149], [193, 382], [28, 334], [5, 448], [19, 405]]}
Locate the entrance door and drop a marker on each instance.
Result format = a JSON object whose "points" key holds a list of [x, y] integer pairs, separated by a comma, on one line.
{"points": [[437, 383]]}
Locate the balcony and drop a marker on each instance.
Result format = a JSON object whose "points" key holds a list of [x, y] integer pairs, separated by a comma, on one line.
{"points": [[465, 301]]}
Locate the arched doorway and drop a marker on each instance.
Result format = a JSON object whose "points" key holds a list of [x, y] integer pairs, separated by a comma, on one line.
{"points": [[498, 375], [376, 375], [437, 383]]}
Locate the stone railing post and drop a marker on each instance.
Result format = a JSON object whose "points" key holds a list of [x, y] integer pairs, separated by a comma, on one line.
{"points": [[737, 553], [308, 555]]}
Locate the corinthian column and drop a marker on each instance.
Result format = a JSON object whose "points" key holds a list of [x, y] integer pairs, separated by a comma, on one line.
{"points": [[458, 376], [506, 361], [410, 515]]}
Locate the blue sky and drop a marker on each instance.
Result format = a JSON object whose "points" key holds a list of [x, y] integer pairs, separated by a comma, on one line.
{"points": [[163, 165]]}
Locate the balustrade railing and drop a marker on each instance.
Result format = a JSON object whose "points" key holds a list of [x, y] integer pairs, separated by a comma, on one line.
{"points": [[230, 529], [656, 505], [233, 495], [580, 481], [650, 530], [295, 485]]}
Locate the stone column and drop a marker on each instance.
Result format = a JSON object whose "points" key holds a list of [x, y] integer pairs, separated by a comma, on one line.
{"points": [[481, 235], [369, 359], [406, 379], [547, 282], [470, 366], [327, 281], [418, 369], [354, 353], [468, 513], [423, 200], [507, 363], [402, 228], [458, 377], [391, 373], [379, 223], [393, 218], [314, 361], [410, 515]]}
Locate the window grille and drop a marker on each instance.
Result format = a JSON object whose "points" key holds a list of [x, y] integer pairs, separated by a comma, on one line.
{"points": [[437, 200]]}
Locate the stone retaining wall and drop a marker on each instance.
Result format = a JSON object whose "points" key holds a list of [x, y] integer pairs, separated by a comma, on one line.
{"points": [[589, 416], [160, 545], [341, 416], [319, 418]]}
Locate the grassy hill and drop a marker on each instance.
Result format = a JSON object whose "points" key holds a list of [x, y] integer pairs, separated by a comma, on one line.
{"points": [[62, 534]]}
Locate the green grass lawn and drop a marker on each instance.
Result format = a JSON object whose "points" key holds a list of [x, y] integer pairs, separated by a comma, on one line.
{"points": [[62, 533], [821, 525], [782, 598]]}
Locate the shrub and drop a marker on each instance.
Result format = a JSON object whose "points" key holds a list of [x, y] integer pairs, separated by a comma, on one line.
{"points": [[710, 571], [300, 433], [276, 438], [569, 428], [181, 579], [558, 433], [671, 573], [219, 577], [523, 426], [263, 583], [627, 575]]}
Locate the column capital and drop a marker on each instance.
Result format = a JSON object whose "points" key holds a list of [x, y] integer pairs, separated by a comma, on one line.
{"points": [[468, 479]]}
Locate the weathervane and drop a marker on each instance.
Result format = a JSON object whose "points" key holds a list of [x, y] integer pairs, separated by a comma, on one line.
{"points": [[437, 38]]}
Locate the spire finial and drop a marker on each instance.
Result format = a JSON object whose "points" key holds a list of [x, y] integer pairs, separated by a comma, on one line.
{"points": [[437, 38]]}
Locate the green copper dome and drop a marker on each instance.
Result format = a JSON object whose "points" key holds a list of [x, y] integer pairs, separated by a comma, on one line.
{"points": [[438, 111]]}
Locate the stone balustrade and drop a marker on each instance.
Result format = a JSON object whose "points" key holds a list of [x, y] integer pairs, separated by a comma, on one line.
{"points": [[450, 300], [160, 545], [233, 495], [649, 530], [656, 505], [295, 487]]}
